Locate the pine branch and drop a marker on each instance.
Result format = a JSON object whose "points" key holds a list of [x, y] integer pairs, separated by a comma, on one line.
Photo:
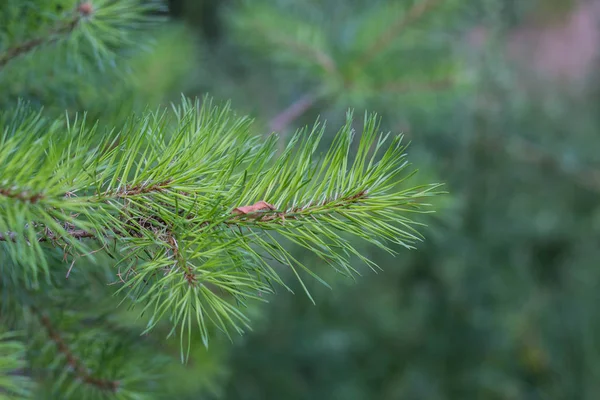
{"points": [[47, 236], [319, 57], [192, 201], [106, 28], [77, 366], [292, 38], [387, 37], [259, 213], [295, 110], [63, 29]]}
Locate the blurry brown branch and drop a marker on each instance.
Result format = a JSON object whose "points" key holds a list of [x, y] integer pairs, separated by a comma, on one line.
{"points": [[79, 369], [384, 40], [292, 112], [322, 59], [64, 28]]}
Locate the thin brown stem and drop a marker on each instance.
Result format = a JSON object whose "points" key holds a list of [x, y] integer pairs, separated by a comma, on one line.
{"points": [[78, 367], [319, 57], [21, 195], [134, 190], [49, 236], [282, 120], [180, 261], [23, 48], [269, 214]]}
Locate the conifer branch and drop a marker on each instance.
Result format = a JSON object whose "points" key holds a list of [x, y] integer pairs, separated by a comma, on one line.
{"points": [[259, 213], [294, 111], [47, 236], [387, 37], [194, 201], [62, 29], [321, 58], [79, 368]]}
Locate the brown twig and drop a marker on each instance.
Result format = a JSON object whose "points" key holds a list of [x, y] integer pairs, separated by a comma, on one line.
{"points": [[50, 37], [129, 191], [321, 58], [292, 112], [250, 211], [300, 106], [180, 261], [21, 195], [265, 212], [79, 369], [49, 236]]}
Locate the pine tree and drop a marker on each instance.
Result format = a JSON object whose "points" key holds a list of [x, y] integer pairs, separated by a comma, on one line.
{"points": [[180, 215]]}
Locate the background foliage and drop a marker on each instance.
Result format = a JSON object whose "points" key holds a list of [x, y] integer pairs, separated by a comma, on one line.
{"points": [[499, 302]]}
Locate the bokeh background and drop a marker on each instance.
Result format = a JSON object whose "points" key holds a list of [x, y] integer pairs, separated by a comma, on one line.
{"points": [[499, 100]]}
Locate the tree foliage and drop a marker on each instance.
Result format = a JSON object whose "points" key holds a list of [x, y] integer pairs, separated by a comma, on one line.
{"points": [[183, 213]]}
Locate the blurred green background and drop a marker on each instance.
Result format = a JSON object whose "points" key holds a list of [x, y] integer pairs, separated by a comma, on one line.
{"points": [[500, 101]]}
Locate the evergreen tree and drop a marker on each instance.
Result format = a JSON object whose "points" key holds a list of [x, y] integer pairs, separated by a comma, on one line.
{"points": [[183, 214]]}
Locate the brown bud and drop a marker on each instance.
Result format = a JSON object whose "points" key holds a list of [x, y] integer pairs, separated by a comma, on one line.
{"points": [[259, 206], [86, 8]]}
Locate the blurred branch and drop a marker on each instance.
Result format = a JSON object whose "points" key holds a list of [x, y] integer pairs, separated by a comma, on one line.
{"points": [[321, 58], [384, 40], [78, 368], [64, 28], [292, 112]]}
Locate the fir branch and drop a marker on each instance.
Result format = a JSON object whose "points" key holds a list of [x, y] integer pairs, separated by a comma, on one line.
{"points": [[78, 367]]}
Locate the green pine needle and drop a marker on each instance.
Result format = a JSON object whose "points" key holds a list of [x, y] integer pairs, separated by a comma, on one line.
{"points": [[199, 206]]}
